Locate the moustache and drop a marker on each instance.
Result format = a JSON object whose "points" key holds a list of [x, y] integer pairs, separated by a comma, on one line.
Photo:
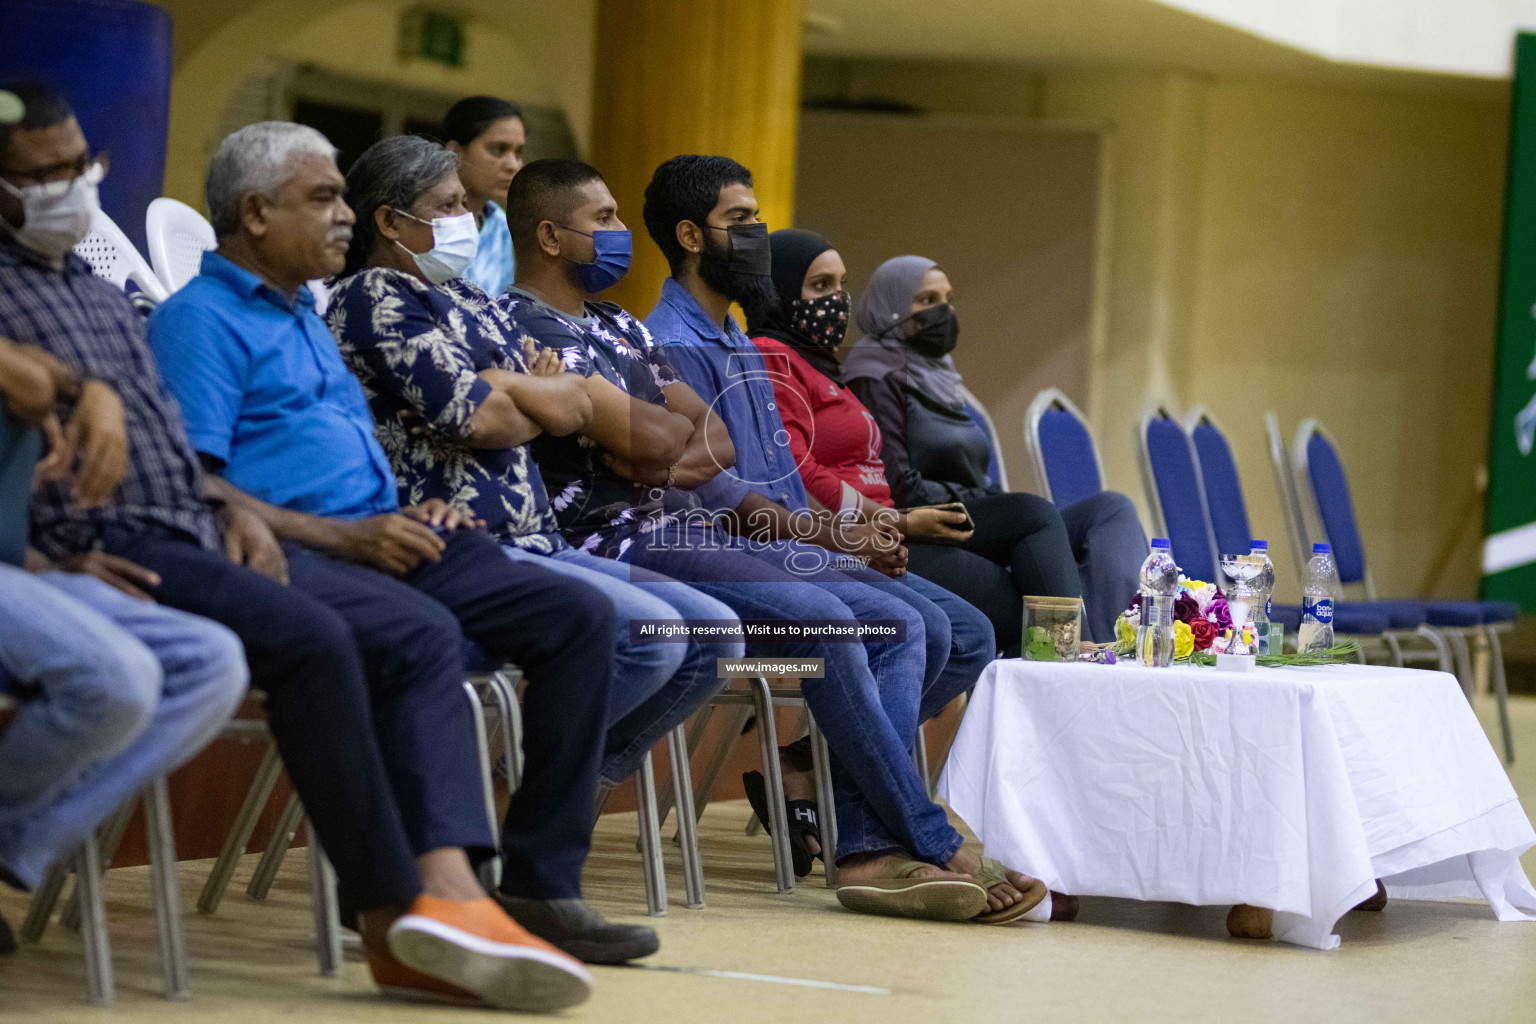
{"points": [[341, 234]]}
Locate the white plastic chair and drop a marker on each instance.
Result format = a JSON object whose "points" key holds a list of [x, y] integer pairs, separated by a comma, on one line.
{"points": [[113, 258], [178, 236]]}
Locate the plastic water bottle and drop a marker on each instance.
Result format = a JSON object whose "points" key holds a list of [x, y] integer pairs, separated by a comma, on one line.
{"points": [[1159, 584], [1265, 584], [1318, 601]]}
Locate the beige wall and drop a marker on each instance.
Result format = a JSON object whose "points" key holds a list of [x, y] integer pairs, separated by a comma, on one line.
{"points": [[1008, 207], [1348, 252], [988, 90], [522, 49], [1340, 242], [1154, 124], [1342, 246]]}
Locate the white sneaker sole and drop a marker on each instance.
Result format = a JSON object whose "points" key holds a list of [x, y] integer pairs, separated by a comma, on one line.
{"points": [[508, 976]]}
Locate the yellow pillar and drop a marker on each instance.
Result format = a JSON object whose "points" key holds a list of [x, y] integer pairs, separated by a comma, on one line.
{"points": [[694, 76]]}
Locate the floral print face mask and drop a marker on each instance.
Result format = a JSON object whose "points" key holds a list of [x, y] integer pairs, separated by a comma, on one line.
{"points": [[820, 323]]}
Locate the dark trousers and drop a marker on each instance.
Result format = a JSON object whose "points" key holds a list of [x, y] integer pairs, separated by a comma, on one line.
{"points": [[1020, 547], [363, 674], [1110, 545], [1024, 546]]}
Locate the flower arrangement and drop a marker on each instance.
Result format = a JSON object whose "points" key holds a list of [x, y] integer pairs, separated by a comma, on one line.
{"points": [[1200, 616], [1203, 628]]}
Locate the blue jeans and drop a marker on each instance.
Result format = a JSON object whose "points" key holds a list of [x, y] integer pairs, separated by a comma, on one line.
{"points": [[868, 703], [656, 685], [960, 638], [125, 690]]}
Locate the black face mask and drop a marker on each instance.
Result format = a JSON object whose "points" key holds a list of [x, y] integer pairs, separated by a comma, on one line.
{"points": [[935, 331], [742, 272], [821, 322]]}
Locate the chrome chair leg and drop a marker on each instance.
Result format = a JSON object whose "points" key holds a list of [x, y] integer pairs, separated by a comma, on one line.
{"points": [[487, 784], [1394, 649], [272, 857], [719, 758], [93, 926], [1436, 640], [504, 691], [687, 825], [240, 834], [1458, 642], [166, 889], [768, 741], [108, 838], [604, 791], [323, 902], [650, 841], [826, 804], [695, 735], [1500, 690], [920, 758], [40, 909]]}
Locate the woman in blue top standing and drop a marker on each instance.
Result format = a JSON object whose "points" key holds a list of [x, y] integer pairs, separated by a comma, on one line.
{"points": [[487, 135]]}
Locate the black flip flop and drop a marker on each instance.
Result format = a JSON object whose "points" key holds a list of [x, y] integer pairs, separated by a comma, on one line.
{"points": [[803, 821]]}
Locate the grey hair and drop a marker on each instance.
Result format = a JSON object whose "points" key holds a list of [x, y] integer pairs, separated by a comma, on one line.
{"points": [[394, 173], [255, 160]]}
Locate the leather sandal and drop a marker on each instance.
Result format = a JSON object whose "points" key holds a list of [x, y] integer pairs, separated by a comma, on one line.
{"points": [[903, 895], [993, 873]]}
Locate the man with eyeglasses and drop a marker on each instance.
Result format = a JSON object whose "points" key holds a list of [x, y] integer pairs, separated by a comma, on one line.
{"points": [[114, 691], [370, 718], [56, 191]]}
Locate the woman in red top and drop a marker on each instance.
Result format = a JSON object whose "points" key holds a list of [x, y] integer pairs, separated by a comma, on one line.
{"points": [[1020, 545]]}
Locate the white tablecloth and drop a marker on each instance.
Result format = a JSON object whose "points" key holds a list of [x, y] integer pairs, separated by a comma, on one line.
{"points": [[1292, 789]]}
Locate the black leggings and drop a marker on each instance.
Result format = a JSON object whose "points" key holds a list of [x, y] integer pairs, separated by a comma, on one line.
{"points": [[1020, 547]]}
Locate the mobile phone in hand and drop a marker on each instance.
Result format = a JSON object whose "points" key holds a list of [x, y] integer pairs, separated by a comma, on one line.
{"points": [[956, 506]]}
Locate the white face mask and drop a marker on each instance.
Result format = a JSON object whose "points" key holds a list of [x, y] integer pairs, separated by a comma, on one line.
{"points": [[454, 243], [55, 224]]}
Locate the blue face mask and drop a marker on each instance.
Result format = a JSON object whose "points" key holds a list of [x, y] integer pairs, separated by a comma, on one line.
{"points": [[611, 253]]}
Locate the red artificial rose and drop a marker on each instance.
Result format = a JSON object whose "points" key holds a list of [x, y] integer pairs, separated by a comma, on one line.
{"points": [[1186, 608], [1204, 632]]}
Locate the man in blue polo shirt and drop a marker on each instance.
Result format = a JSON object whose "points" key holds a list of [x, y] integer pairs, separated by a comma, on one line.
{"points": [[276, 415]]}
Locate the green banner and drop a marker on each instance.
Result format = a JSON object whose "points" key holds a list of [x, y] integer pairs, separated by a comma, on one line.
{"points": [[1509, 545]]}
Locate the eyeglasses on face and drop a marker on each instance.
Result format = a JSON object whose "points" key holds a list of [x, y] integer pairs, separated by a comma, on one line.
{"points": [[56, 179]]}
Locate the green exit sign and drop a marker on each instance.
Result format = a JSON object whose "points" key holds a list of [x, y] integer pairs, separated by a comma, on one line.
{"points": [[432, 35]]}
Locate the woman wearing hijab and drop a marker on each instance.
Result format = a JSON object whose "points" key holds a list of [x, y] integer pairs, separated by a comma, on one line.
{"points": [[933, 453], [1020, 545]]}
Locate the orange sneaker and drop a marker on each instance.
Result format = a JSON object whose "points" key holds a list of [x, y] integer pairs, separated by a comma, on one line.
{"points": [[475, 947], [397, 980]]}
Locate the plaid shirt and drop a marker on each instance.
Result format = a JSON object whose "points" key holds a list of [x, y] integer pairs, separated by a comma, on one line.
{"points": [[93, 329]]}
